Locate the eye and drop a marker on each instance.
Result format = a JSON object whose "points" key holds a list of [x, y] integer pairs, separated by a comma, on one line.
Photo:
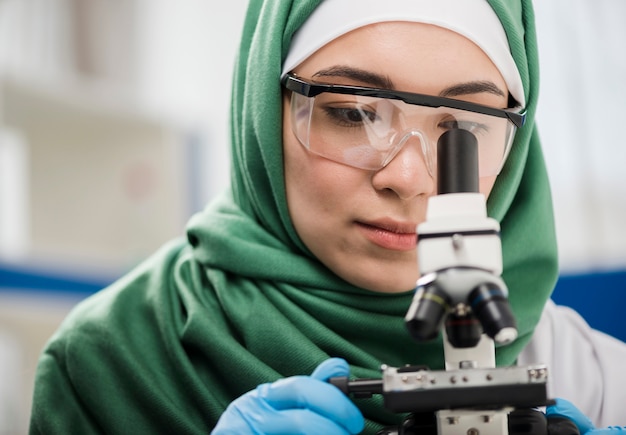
{"points": [[473, 126], [350, 116]]}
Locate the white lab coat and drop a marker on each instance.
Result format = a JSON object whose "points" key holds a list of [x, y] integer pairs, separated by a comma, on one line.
{"points": [[586, 367]]}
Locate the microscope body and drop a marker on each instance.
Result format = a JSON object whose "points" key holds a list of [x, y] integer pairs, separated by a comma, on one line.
{"points": [[461, 292], [458, 233]]}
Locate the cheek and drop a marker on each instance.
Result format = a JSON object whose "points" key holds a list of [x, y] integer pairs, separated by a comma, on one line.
{"points": [[304, 183], [314, 185]]}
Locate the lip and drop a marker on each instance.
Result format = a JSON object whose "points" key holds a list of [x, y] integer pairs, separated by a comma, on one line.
{"points": [[390, 234]]}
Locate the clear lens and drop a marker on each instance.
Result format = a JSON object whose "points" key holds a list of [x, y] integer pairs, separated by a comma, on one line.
{"points": [[367, 132]]}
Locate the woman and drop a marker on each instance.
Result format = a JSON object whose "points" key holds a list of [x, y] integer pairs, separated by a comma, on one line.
{"points": [[311, 253]]}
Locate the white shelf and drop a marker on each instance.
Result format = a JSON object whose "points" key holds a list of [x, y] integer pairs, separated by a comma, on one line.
{"points": [[106, 184]]}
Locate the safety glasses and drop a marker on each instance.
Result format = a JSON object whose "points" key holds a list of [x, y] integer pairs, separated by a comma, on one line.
{"points": [[367, 127]]}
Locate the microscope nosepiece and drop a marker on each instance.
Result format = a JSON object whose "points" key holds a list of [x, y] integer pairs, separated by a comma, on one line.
{"points": [[492, 308], [506, 335]]}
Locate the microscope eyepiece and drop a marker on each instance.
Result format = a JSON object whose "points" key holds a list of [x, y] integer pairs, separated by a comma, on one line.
{"points": [[457, 162]]}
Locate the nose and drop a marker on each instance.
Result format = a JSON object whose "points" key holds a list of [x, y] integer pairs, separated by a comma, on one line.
{"points": [[407, 174]]}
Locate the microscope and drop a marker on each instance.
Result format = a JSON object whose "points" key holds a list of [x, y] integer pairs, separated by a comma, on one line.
{"points": [[461, 295]]}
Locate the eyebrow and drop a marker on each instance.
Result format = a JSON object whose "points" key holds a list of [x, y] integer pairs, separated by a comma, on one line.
{"points": [[475, 87], [357, 74], [384, 82]]}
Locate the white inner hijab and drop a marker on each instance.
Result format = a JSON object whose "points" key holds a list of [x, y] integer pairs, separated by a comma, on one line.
{"points": [[473, 19]]}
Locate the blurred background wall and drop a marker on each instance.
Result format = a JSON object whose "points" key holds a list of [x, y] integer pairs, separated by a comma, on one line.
{"points": [[113, 131]]}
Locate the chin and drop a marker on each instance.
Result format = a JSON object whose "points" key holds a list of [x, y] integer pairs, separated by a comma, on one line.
{"points": [[393, 283], [394, 288], [397, 275]]}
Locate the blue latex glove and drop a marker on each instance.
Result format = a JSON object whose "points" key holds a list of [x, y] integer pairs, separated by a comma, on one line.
{"points": [[563, 408], [296, 405]]}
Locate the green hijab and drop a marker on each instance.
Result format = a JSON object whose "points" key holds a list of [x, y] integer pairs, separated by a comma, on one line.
{"points": [[243, 302]]}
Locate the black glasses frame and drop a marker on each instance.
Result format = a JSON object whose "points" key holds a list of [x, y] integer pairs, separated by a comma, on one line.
{"points": [[308, 89]]}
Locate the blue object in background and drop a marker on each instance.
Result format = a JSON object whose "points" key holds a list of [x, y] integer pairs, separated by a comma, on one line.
{"points": [[599, 297], [23, 278]]}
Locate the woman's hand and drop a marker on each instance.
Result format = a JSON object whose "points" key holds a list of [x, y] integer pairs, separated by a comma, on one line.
{"points": [[563, 408], [299, 404]]}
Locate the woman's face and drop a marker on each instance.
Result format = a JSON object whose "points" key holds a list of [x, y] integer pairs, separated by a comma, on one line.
{"points": [[361, 223]]}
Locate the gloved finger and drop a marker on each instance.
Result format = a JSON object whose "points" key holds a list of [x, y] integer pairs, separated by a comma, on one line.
{"points": [[611, 430], [564, 408], [304, 392], [330, 368], [256, 416], [302, 422]]}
